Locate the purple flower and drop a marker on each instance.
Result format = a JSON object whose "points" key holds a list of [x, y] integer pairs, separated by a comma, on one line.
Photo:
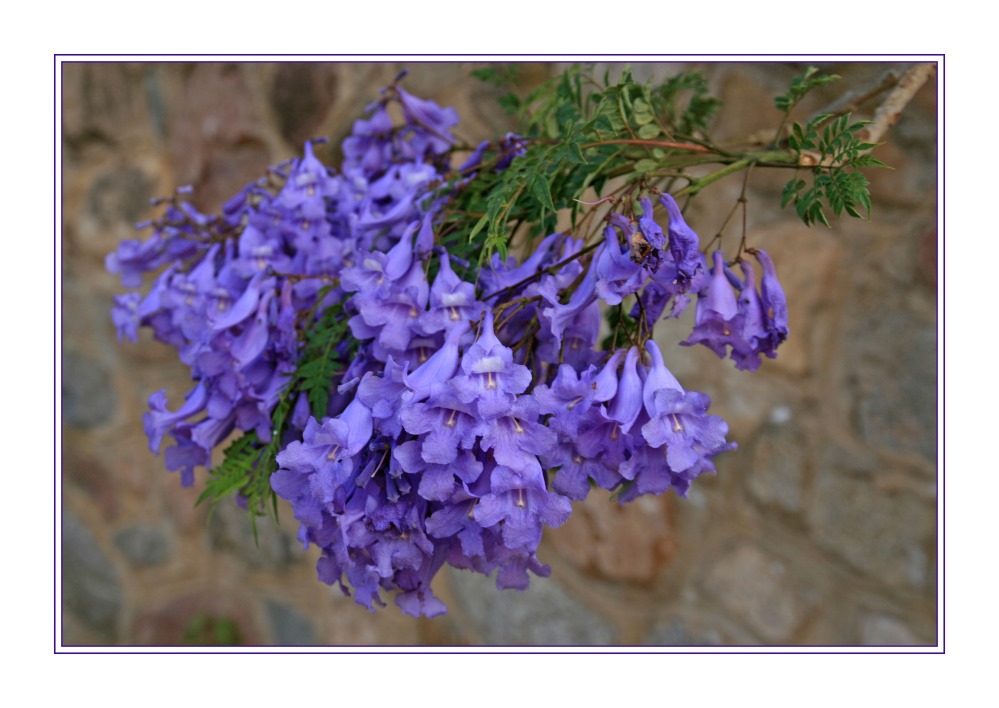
{"points": [[513, 567], [605, 434], [309, 180], [753, 327], [433, 374], [774, 301], [572, 313], [511, 146], [452, 300], [657, 378], [185, 456], [516, 438], [573, 471], [438, 445], [368, 150], [167, 244], [475, 159], [435, 120], [568, 399], [490, 378], [617, 275], [326, 452], [679, 421], [134, 258], [505, 276], [415, 596], [394, 317], [648, 226], [260, 250], [383, 394], [158, 419], [522, 506], [716, 324], [125, 315], [446, 421], [627, 403], [684, 244], [457, 520]]}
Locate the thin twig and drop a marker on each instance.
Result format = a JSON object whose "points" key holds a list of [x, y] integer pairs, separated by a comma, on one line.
{"points": [[890, 110], [550, 270], [886, 115], [850, 101]]}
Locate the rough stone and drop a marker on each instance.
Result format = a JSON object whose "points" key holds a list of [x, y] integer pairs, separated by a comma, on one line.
{"points": [[90, 584], [88, 398], [736, 88], [76, 633], [231, 530], [216, 618], [780, 459], [156, 101], [544, 614], [688, 625], [896, 388], [302, 94], [630, 543], [809, 272], [119, 195], [676, 633], [143, 544], [928, 254], [216, 138], [178, 500], [88, 474], [101, 101], [340, 621], [116, 199], [884, 630], [882, 532], [289, 627], [754, 587]]}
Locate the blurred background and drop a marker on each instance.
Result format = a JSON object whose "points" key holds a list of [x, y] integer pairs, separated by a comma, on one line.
{"points": [[820, 529]]}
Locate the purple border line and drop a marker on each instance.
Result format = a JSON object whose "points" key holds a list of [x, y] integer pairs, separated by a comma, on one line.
{"points": [[58, 648], [942, 360], [56, 486]]}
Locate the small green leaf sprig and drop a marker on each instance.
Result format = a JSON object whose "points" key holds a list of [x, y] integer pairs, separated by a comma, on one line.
{"points": [[833, 149]]}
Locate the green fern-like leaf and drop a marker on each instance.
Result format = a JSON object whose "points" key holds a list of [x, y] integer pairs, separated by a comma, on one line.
{"points": [[800, 87], [235, 470]]}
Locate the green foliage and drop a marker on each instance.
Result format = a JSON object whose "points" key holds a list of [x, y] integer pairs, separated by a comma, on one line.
{"points": [[581, 132], [246, 468], [623, 329], [837, 142], [235, 471], [832, 143], [248, 462], [504, 76], [318, 368], [700, 108], [210, 630], [800, 87]]}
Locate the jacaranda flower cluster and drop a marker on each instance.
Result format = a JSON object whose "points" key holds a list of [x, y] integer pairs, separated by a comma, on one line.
{"points": [[474, 403]]}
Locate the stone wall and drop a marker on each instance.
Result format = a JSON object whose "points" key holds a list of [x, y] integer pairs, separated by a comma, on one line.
{"points": [[820, 529]]}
